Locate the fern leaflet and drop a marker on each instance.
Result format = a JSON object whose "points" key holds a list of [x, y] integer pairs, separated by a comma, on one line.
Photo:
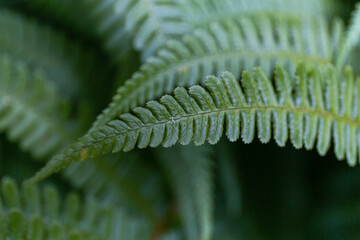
{"points": [[199, 115], [235, 46], [149, 24]]}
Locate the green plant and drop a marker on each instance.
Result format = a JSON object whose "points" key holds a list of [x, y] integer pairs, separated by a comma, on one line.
{"points": [[189, 78]]}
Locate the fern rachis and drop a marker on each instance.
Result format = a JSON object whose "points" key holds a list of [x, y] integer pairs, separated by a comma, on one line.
{"points": [[200, 115], [223, 47]]}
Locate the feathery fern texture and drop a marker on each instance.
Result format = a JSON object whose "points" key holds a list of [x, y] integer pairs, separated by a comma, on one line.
{"points": [[234, 46], [317, 111], [31, 111], [352, 37], [29, 213], [190, 172], [149, 24], [143, 22]]}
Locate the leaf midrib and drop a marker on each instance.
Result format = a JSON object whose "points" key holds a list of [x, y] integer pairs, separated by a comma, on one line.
{"points": [[186, 64], [289, 109]]}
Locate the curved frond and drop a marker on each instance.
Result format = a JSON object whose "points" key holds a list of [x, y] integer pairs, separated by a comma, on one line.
{"points": [[190, 171], [149, 24], [31, 111], [234, 46], [323, 105], [29, 213], [138, 21]]}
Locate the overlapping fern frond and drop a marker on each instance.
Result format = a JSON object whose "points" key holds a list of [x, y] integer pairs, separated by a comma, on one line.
{"points": [[31, 107], [234, 46], [149, 24], [199, 72], [29, 213], [31, 111], [140, 22], [322, 106]]}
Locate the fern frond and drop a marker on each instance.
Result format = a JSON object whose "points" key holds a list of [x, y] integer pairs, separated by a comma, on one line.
{"points": [[317, 110], [31, 111], [62, 60], [190, 171], [352, 37], [140, 22], [235, 46], [149, 24], [29, 213]]}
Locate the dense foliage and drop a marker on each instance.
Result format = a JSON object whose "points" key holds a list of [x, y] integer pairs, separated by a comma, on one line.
{"points": [[179, 119]]}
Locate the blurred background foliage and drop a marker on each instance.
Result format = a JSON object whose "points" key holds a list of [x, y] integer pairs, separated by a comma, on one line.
{"points": [[259, 191]]}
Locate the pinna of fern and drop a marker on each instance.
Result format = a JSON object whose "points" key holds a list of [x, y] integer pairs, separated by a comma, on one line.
{"points": [[322, 105], [233, 45], [150, 24]]}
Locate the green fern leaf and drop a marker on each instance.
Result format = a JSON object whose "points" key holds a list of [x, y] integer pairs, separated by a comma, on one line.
{"points": [[234, 46], [151, 23], [198, 115], [141, 22], [29, 213]]}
